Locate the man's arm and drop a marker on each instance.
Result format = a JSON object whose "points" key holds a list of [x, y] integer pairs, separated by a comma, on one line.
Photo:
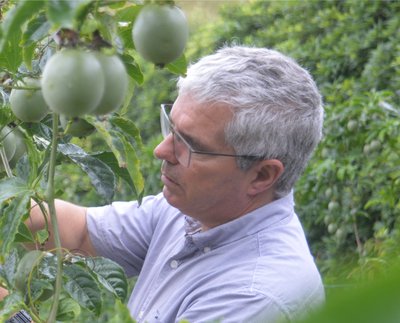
{"points": [[3, 293], [72, 226]]}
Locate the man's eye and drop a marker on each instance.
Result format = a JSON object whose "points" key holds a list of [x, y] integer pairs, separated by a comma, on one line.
{"points": [[178, 138]]}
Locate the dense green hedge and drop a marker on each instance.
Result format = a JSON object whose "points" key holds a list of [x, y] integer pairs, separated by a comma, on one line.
{"points": [[348, 198]]}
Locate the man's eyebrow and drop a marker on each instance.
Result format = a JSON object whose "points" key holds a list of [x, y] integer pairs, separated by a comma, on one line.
{"points": [[193, 142]]}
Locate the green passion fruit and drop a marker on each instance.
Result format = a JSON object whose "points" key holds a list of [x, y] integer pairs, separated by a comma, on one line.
{"points": [[160, 33], [116, 83], [73, 82], [20, 147], [8, 141], [28, 105], [76, 126]]}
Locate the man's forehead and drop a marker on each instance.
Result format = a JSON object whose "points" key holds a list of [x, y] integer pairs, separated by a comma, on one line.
{"points": [[201, 120]]}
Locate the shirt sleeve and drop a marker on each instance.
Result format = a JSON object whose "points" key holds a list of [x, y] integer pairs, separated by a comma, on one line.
{"points": [[122, 231]]}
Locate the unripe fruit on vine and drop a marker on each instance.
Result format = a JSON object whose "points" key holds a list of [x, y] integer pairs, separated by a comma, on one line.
{"points": [[328, 192], [28, 105], [8, 141], [352, 125], [375, 145], [73, 82], [76, 126], [332, 227], [367, 149], [340, 234], [116, 83], [333, 205], [160, 33], [20, 147]]}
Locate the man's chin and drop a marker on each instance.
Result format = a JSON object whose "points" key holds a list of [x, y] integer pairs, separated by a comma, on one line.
{"points": [[171, 198]]}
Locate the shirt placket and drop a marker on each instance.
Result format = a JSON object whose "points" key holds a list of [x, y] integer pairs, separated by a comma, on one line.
{"points": [[170, 265]]}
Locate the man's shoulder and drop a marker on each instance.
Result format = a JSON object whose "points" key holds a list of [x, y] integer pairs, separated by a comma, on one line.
{"points": [[293, 282]]}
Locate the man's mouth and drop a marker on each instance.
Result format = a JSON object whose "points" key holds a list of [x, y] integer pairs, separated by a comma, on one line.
{"points": [[167, 180]]}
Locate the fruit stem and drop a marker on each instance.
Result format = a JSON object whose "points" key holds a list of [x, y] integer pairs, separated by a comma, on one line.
{"points": [[53, 218]]}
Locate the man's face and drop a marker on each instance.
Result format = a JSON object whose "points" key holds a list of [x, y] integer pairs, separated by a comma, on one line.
{"points": [[212, 189]]}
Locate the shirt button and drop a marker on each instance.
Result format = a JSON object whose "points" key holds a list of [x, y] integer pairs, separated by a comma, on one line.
{"points": [[206, 249], [174, 264], [141, 313]]}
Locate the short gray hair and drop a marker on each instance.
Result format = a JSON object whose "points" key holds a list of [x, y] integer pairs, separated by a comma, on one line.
{"points": [[278, 112]]}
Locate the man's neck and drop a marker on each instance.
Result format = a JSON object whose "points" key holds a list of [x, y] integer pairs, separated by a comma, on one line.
{"points": [[252, 203]]}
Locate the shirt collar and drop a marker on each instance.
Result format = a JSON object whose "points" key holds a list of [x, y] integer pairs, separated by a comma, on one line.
{"points": [[266, 216]]}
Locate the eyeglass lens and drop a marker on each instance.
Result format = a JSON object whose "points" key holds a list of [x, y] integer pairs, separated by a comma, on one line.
{"points": [[181, 150]]}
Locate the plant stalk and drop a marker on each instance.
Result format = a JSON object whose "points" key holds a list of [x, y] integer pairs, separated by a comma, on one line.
{"points": [[53, 219], [4, 161]]}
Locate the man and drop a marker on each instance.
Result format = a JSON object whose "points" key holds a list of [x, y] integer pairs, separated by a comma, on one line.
{"points": [[222, 242]]}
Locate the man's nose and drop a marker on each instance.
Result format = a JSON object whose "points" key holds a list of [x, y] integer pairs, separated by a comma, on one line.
{"points": [[165, 150]]}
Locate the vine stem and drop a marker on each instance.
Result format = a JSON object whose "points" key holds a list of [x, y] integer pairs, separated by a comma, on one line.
{"points": [[53, 220], [3, 156], [4, 161]]}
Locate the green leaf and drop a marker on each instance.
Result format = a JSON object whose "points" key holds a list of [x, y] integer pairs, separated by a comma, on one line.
{"points": [[24, 234], [128, 98], [68, 310], [121, 147], [132, 163], [82, 287], [110, 275], [100, 174], [179, 66], [128, 128], [36, 30], [125, 33], [109, 159], [11, 219], [6, 116], [11, 54], [127, 131], [16, 18], [66, 14], [40, 290], [42, 236], [11, 187], [121, 314], [11, 304], [48, 267], [133, 68], [9, 267], [109, 136], [128, 12], [27, 55]]}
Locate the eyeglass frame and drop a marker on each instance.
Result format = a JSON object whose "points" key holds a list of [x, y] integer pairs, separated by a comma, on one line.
{"points": [[167, 128]]}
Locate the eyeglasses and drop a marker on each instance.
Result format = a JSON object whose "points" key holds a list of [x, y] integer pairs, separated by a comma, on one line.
{"points": [[182, 149]]}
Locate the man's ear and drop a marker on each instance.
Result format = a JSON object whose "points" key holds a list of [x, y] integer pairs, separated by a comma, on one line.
{"points": [[265, 175]]}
